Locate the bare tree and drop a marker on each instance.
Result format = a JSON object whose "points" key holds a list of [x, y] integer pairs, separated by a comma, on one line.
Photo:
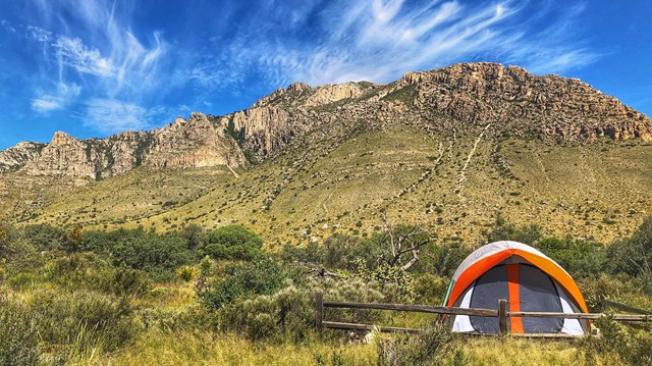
{"points": [[401, 249]]}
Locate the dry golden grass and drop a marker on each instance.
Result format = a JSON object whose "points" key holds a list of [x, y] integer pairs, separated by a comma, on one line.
{"points": [[186, 348]]}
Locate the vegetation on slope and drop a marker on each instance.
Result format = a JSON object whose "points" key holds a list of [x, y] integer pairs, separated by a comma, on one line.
{"points": [[194, 296], [598, 191]]}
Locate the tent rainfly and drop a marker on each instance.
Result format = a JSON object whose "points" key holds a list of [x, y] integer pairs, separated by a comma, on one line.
{"points": [[527, 279]]}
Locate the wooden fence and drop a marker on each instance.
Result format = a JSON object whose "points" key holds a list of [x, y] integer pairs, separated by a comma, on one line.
{"points": [[501, 313]]}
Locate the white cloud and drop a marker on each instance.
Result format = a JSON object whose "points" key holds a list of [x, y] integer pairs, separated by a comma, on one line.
{"points": [[44, 105], [110, 115], [38, 34], [318, 41], [379, 40], [113, 115], [6, 25], [72, 52], [63, 96]]}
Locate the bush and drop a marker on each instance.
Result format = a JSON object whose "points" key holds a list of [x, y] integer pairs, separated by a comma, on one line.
{"points": [[447, 258], [82, 319], [503, 230], [45, 237], [433, 347], [87, 270], [142, 250], [581, 258], [233, 242], [186, 273], [288, 312], [261, 277], [633, 255], [430, 288], [18, 340], [617, 345]]}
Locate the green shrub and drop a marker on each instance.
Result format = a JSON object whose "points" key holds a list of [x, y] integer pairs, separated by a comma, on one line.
{"points": [[186, 273], [125, 281], [140, 249], [503, 230], [580, 258], [45, 237], [233, 242], [87, 270], [262, 277], [447, 257], [633, 255], [82, 319], [18, 337], [618, 345], [431, 348], [289, 312], [430, 289]]}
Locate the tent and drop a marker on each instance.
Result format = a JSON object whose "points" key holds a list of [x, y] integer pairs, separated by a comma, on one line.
{"points": [[527, 279]]}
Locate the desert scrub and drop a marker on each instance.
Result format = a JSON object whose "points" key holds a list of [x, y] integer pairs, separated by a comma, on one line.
{"points": [[81, 320], [88, 271], [618, 345], [263, 276], [18, 335], [233, 242], [433, 347]]}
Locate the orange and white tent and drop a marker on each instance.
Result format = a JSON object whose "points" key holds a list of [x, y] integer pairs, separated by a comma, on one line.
{"points": [[524, 276]]}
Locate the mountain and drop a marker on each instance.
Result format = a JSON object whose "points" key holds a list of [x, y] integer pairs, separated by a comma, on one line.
{"points": [[449, 149]]}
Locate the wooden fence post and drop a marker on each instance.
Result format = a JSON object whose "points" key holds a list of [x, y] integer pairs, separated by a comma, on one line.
{"points": [[502, 316], [319, 312]]}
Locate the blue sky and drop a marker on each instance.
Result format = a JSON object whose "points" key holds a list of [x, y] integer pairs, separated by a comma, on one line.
{"points": [[93, 68]]}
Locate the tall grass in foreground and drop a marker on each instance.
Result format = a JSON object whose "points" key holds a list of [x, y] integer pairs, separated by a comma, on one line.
{"points": [[203, 348]]}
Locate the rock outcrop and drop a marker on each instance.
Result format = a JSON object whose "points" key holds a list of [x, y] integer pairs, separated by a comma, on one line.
{"points": [[16, 157], [463, 96], [196, 142], [511, 98]]}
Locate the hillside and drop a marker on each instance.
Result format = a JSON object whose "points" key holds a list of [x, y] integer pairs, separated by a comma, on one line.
{"points": [[449, 149]]}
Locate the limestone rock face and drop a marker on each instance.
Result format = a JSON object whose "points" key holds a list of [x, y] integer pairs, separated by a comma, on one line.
{"points": [[15, 157], [197, 142], [513, 99], [64, 156], [464, 96], [332, 93], [262, 129]]}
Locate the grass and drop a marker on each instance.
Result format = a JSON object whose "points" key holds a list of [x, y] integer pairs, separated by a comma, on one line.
{"points": [[188, 348]]}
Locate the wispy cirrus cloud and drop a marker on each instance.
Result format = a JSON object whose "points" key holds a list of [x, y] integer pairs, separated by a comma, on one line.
{"points": [[109, 115], [380, 40], [73, 53], [112, 62], [125, 69], [60, 98]]}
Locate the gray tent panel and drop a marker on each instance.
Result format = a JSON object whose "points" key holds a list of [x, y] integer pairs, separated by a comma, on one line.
{"points": [[539, 294], [488, 289]]}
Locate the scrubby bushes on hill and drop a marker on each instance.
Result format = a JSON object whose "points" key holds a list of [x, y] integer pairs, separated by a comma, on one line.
{"points": [[261, 277], [634, 255], [18, 335], [233, 242]]}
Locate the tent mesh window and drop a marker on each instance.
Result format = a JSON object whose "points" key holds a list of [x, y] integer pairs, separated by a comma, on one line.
{"points": [[536, 292]]}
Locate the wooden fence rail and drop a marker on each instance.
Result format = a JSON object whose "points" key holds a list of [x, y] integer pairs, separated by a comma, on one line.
{"points": [[502, 314]]}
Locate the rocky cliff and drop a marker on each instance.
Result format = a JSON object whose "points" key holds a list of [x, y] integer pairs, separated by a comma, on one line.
{"points": [[195, 142], [461, 97]]}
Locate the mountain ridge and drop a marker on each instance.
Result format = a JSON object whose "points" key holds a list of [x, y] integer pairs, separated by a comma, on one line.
{"points": [[460, 97]]}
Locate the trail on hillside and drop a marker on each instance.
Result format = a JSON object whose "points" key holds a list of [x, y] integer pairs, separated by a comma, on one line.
{"points": [[460, 182]]}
